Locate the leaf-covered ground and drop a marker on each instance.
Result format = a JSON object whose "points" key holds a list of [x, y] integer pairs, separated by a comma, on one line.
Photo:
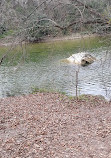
{"points": [[50, 125]]}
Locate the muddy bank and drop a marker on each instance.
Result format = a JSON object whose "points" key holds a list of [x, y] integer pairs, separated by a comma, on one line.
{"points": [[8, 41], [70, 37], [50, 125]]}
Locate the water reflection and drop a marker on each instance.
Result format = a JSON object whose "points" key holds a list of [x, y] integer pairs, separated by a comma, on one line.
{"points": [[48, 72]]}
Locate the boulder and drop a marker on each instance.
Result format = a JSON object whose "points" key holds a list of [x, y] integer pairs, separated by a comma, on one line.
{"points": [[82, 58]]}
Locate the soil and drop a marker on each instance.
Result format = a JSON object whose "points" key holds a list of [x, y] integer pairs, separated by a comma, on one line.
{"points": [[74, 36], [9, 40], [51, 125]]}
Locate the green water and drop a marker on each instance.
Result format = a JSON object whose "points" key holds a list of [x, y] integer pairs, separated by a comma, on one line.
{"points": [[39, 66]]}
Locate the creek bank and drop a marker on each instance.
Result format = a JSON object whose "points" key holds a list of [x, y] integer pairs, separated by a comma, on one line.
{"points": [[75, 36], [52, 125], [8, 41]]}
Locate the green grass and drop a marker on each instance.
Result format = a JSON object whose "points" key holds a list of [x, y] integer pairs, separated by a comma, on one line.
{"points": [[7, 33], [44, 90], [83, 97]]}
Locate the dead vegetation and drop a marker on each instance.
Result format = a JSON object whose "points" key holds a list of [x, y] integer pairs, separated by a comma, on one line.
{"points": [[49, 125]]}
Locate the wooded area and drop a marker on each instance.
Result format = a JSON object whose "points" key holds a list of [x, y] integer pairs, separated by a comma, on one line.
{"points": [[55, 96], [38, 19]]}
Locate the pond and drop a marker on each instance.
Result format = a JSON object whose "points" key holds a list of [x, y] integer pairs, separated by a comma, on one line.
{"points": [[40, 67]]}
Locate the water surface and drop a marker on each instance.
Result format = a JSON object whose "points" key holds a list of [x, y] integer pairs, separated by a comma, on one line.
{"points": [[40, 66]]}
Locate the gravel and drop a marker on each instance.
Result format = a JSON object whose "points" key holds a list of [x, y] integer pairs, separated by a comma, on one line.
{"points": [[51, 125]]}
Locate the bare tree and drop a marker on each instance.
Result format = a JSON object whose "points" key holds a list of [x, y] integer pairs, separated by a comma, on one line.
{"points": [[35, 20]]}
